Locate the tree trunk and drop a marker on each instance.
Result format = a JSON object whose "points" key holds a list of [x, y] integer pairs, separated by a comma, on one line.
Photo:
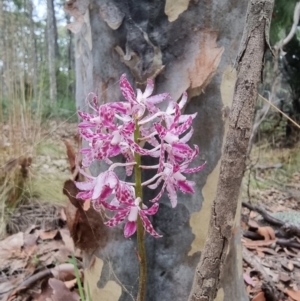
{"points": [[250, 64], [33, 49], [185, 46], [51, 50]]}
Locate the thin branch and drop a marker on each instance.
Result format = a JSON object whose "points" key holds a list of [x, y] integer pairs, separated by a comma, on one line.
{"points": [[293, 30], [286, 116]]}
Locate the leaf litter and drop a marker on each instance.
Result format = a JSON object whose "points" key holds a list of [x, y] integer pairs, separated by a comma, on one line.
{"points": [[271, 240], [35, 261]]}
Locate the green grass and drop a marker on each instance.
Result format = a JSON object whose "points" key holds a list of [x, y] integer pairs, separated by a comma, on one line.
{"points": [[49, 149], [49, 188]]}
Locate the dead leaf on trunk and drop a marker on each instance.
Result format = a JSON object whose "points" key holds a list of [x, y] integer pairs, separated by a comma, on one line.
{"points": [[86, 227]]}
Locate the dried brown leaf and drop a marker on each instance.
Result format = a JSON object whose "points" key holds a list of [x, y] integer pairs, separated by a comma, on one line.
{"points": [[63, 215], [290, 266], [259, 297], [284, 277], [257, 243], [67, 239], [46, 235], [86, 227], [71, 283], [253, 214], [46, 292], [269, 251], [295, 295], [253, 224], [248, 279], [260, 253], [267, 232], [61, 292], [71, 155]]}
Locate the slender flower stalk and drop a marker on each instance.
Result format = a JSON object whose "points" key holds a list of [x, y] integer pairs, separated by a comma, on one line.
{"points": [[140, 228], [117, 128]]}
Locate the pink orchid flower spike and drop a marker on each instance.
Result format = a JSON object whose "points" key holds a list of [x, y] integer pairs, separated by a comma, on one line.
{"points": [[129, 207]]}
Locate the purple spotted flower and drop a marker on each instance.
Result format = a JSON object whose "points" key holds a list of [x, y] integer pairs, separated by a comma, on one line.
{"points": [[128, 207], [111, 130]]}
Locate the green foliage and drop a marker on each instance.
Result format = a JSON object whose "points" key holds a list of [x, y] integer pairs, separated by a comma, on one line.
{"points": [[282, 19], [83, 296]]}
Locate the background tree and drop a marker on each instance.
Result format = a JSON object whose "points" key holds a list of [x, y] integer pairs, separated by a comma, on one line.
{"points": [[52, 49]]}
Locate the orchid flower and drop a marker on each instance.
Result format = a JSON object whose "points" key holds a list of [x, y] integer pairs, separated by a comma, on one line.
{"points": [[173, 178], [99, 188], [127, 206], [121, 128]]}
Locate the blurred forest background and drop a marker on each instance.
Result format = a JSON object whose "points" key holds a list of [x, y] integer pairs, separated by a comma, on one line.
{"points": [[37, 58]]}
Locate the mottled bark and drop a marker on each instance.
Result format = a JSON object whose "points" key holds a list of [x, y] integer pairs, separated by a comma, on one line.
{"points": [[51, 50], [250, 64], [183, 45]]}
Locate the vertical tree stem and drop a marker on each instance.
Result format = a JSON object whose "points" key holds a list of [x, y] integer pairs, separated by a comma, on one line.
{"points": [[140, 229], [210, 269]]}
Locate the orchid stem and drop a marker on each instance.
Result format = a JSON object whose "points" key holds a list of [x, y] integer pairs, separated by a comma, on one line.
{"points": [[140, 229]]}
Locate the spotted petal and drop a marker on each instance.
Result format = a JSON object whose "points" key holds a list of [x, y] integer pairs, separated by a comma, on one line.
{"points": [[118, 218], [147, 224], [153, 210], [186, 186], [127, 90]]}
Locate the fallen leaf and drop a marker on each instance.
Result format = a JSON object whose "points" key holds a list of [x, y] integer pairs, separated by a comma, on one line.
{"points": [[248, 279], [284, 277], [61, 292], [267, 232], [278, 208], [269, 251], [253, 214], [257, 243], [290, 266], [260, 253], [253, 224], [70, 151], [71, 283], [46, 235], [46, 292], [259, 297], [67, 239], [295, 295], [290, 253], [63, 215]]}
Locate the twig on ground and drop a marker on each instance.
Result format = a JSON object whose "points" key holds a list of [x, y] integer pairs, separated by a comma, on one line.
{"points": [[55, 272], [269, 286], [279, 241], [291, 229]]}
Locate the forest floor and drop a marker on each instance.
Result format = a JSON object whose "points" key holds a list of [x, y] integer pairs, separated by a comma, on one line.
{"points": [[36, 260]]}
